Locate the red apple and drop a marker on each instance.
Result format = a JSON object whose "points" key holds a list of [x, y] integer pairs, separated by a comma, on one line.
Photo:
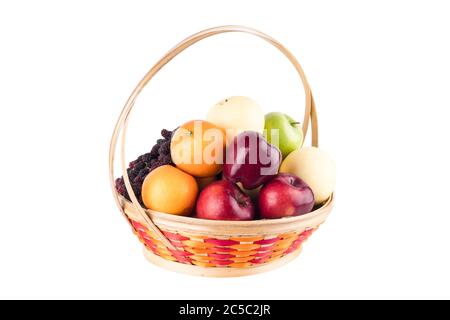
{"points": [[251, 160], [223, 200], [284, 196]]}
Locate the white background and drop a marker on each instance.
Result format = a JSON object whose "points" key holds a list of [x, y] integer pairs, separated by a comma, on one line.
{"points": [[380, 74]]}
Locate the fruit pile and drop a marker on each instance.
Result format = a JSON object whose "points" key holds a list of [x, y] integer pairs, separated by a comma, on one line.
{"points": [[239, 164], [141, 167]]}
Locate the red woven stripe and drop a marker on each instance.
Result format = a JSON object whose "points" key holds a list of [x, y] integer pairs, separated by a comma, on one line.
{"points": [[294, 246], [292, 249], [142, 233], [184, 259], [267, 241], [222, 262], [152, 248], [289, 250], [145, 236], [149, 243], [220, 256], [135, 224], [223, 249], [305, 234], [221, 242], [138, 226], [175, 236], [177, 253], [259, 260]]}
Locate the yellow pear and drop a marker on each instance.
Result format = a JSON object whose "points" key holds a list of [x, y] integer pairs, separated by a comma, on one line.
{"points": [[315, 167], [237, 114]]}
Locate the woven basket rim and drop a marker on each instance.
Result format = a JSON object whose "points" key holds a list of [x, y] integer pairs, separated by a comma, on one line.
{"points": [[161, 216]]}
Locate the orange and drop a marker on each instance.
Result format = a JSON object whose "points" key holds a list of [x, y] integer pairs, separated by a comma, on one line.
{"points": [[170, 190], [197, 148]]}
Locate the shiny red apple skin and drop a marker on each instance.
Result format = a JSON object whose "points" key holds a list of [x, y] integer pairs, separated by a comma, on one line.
{"points": [[284, 196], [251, 160], [223, 200]]}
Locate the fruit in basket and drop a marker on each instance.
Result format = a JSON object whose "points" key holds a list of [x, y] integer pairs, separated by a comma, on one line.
{"points": [[223, 200], [283, 131], [251, 160], [315, 167], [198, 147], [144, 164], [170, 190], [237, 114], [284, 196]]}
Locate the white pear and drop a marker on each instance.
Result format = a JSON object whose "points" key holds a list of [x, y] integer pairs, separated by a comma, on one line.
{"points": [[315, 167], [237, 114]]}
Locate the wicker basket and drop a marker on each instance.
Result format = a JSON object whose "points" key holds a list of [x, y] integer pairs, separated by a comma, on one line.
{"points": [[207, 247]]}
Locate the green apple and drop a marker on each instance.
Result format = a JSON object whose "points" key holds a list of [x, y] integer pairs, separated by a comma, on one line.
{"points": [[283, 132]]}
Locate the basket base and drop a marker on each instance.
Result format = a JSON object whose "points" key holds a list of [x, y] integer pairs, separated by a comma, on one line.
{"points": [[217, 272]]}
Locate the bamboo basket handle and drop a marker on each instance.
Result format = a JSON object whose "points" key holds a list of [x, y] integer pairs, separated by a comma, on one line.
{"points": [[122, 122]]}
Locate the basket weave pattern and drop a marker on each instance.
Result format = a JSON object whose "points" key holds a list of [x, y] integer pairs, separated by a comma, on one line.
{"points": [[235, 252]]}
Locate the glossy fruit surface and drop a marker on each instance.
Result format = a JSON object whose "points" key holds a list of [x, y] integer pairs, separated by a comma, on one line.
{"points": [[144, 164], [283, 131], [251, 160], [315, 167], [237, 114], [170, 190], [223, 200], [198, 147], [284, 196]]}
